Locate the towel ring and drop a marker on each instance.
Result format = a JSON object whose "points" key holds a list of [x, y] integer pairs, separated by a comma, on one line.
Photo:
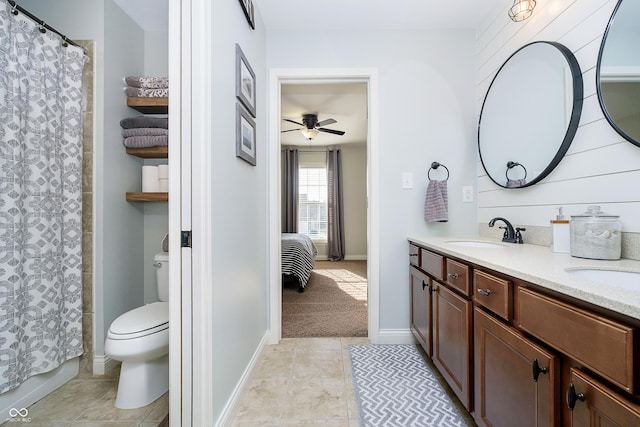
{"points": [[511, 165], [436, 165]]}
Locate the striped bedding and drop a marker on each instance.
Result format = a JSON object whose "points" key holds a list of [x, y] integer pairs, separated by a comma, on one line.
{"points": [[298, 256]]}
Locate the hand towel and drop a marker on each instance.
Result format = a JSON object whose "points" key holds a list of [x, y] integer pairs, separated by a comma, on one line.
{"points": [[436, 207], [165, 243], [144, 132], [137, 92], [145, 122], [146, 141], [515, 183], [147, 82]]}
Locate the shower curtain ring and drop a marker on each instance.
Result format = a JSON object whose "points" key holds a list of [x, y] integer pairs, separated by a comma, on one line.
{"points": [[14, 8], [43, 28], [65, 43]]}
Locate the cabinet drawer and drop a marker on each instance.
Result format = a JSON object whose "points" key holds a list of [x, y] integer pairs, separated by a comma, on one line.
{"points": [[432, 263], [414, 255], [600, 344], [458, 276], [493, 293]]}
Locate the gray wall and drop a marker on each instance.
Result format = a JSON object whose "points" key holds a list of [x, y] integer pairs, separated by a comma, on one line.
{"points": [[427, 114], [239, 230]]}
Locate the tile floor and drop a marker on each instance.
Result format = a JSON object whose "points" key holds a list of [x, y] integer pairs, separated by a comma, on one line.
{"points": [[301, 382], [304, 382], [88, 401]]}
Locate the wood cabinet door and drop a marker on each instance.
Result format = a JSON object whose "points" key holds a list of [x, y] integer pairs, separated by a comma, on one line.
{"points": [[595, 405], [421, 309], [452, 340], [506, 393]]}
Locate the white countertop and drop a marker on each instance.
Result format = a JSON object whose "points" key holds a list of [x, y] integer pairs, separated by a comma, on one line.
{"points": [[538, 265]]}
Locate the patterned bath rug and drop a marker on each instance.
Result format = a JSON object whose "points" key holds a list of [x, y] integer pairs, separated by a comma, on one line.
{"points": [[395, 387]]}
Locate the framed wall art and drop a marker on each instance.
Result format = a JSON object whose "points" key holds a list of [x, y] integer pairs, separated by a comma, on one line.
{"points": [[247, 8], [245, 82], [245, 135]]}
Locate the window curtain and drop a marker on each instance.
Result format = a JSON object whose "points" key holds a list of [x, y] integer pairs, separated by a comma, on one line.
{"points": [[335, 218], [289, 191], [40, 200]]}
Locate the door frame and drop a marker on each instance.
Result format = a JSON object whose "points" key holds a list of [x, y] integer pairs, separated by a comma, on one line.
{"points": [[323, 75]]}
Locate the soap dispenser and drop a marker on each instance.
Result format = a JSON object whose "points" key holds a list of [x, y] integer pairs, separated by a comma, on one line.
{"points": [[560, 234]]}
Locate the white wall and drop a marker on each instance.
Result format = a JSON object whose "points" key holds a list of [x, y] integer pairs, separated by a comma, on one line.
{"points": [[354, 172], [427, 111], [600, 167], [238, 238]]}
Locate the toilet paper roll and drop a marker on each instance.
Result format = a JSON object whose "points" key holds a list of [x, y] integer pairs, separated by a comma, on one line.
{"points": [[150, 182], [164, 184], [163, 171]]}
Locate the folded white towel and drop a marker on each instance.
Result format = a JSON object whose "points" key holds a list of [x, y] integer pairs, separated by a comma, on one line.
{"points": [[436, 204]]}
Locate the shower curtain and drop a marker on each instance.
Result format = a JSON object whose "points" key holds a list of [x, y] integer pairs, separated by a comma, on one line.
{"points": [[40, 199]]}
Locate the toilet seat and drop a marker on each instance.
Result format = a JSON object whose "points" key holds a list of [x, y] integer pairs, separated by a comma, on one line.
{"points": [[139, 322]]}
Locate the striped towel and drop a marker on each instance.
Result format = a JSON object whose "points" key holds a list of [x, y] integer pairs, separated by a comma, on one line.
{"points": [[137, 92], [436, 204], [144, 132]]}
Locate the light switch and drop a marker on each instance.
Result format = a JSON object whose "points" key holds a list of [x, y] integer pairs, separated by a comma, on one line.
{"points": [[467, 194], [407, 180]]}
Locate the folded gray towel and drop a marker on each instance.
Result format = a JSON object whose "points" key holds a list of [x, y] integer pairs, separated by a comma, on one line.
{"points": [[137, 92], [147, 82], [165, 243], [144, 132], [515, 183], [146, 141], [436, 207], [144, 122]]}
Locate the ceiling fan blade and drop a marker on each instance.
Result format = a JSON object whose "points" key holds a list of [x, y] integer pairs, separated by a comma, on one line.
{"points": [[289, 130], [326, 122], [291, 121], [333, 131]]}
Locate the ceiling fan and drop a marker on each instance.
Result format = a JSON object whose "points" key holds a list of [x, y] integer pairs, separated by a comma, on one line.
{"points": [[311, 126]]}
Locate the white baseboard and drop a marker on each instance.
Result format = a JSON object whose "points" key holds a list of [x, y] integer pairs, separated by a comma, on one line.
{"points": [[355, 258], [103, 364], [396, 336], [227, 413]]}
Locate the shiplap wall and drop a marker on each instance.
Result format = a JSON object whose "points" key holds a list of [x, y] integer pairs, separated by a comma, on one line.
{"points": [[600, 167]]}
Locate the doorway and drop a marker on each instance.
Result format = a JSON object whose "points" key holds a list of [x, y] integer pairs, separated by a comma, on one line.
{"points": [[278, 78]]}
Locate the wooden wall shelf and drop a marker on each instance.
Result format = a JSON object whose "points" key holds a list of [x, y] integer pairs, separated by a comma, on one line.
{"points": [[147, 197], [159, 152], [149, 105]]}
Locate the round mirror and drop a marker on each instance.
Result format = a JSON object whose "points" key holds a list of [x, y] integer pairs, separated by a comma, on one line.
{"points": [[530, 114], [618, 71]]}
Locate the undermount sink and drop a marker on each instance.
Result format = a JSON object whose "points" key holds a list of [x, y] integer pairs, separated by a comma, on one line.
{"points": [[617, 278], [475, 244]]}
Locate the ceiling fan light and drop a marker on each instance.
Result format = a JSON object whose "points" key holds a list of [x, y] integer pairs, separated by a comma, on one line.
{"points": [[521, 10], [309, 133]]}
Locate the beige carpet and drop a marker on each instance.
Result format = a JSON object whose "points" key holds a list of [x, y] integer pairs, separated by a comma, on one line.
{"points": [[333, 304]]}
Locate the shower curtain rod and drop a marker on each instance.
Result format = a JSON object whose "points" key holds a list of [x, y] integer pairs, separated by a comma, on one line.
{"points": [[17, 8]]}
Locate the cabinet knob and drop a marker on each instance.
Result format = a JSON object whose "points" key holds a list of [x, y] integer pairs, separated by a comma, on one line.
{"points": [[453, 275], [537, 370], [485, 292], [413, 254], [424, 285], [573, 397], [433, 289]]}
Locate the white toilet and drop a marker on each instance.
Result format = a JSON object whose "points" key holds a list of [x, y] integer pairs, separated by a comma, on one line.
{"points": [[140, 340]]}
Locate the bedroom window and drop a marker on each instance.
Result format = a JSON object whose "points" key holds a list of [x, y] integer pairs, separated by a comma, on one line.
{"points": [[312, 202]]}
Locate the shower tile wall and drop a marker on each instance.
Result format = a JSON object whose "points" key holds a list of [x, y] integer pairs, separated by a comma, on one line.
{"points": [[86, 360]]}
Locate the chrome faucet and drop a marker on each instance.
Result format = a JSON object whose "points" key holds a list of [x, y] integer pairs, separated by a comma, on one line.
{"points": [[510, 235]]}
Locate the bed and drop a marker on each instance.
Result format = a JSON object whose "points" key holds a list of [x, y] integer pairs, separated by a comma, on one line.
{"points": [[298, 257]]}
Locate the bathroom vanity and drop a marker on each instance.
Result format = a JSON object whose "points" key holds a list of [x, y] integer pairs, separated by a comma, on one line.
{"points": [[520, 340]]}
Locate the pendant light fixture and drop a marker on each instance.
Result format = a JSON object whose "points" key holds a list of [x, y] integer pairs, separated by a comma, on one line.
{"points": [[521, 10]]}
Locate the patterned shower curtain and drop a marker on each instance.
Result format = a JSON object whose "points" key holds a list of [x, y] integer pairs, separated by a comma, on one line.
{"points": [[40, 199]]}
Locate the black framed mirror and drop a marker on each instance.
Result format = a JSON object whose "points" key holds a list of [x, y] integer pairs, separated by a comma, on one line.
{"points": [[530, 114], [618, 71]]}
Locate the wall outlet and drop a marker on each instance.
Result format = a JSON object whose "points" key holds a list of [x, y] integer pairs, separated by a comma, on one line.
{"points": [[407, 180], [467, 194]]}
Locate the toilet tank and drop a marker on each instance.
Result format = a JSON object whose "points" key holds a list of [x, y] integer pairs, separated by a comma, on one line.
{"points": [[161, 264]]}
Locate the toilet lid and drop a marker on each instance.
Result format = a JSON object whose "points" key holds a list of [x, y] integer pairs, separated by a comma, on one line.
{"points": [[145, 318]]}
